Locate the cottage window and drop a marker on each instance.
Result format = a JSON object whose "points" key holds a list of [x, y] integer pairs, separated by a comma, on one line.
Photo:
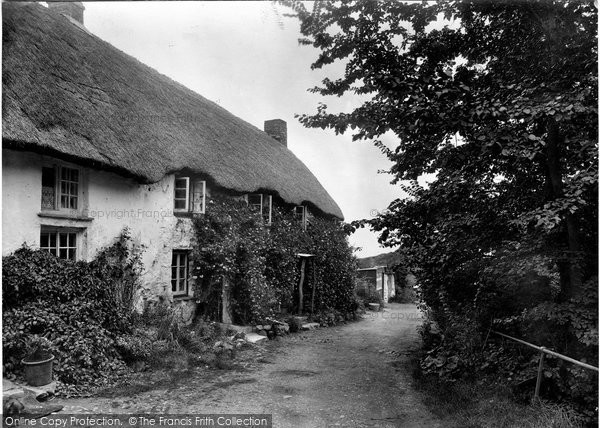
{"points": [[179, 273], [262, 204], [300, 215], [59, 242], [60, 188], [189, 196], [182, 194]]}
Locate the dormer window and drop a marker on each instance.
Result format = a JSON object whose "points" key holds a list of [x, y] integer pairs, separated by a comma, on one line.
{"points": [[61, 188], [262, 204], [189, 195], [300, 215]]}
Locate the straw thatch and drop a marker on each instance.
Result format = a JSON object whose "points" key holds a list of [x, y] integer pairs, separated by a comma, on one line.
{"points": [[68, 93]]}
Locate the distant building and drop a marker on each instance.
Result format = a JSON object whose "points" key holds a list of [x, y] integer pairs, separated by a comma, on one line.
{"points": [[379, 279]]}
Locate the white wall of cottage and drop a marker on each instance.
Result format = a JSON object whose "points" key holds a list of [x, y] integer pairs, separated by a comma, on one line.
{"points": [[112, 203]]}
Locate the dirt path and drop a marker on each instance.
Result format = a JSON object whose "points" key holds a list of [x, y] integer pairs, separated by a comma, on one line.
{"points": [[348, 376]]}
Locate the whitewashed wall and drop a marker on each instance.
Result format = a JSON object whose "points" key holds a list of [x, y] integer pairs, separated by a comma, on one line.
{"points": [[112, 202]]}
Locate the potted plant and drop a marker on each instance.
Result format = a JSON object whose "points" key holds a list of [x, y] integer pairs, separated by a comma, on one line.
{"points": [[37, 365]]}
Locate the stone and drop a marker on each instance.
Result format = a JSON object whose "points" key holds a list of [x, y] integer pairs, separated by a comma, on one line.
{"points": [[374, 307], [310, 326], [267, 327], [259, 327], [255, 338], [262, 333], [238, 336], [236, 328]]}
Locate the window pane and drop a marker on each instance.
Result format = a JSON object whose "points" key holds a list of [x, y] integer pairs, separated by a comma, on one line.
{"points": [[64, 201], [72, 239], [64, 173], [48, 177], [52, 251], [62, 253], [179, 204], [180, 194], [44, 240], [173, 285], [48, 198], [254, 199], [73, 202], [180, 183], [64, 187], [75, 175], [52, 240], [72, 254]]}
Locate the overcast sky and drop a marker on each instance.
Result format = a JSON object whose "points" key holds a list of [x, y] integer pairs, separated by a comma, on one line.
{"points": [[246, 57]]}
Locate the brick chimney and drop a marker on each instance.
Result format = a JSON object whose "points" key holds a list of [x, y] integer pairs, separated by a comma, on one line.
{"points": [[277, 129], [71, 9]]}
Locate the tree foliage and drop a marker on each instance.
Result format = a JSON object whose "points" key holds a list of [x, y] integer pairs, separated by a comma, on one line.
{"points": [[497, 101]]}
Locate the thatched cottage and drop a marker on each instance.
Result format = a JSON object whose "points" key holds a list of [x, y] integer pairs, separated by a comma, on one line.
{"points": [[94, 140]]}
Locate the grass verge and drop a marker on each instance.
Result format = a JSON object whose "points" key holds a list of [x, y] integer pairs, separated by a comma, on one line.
{"points": [[479, 405]]}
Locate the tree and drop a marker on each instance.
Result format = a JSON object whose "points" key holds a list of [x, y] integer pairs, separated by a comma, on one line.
{"points": [[498, 101]]}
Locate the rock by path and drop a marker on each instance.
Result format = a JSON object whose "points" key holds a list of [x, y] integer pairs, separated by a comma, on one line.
{"points": [[352, 375]]}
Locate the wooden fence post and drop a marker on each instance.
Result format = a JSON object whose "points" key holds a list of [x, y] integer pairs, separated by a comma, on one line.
{"points": [[540, 373], [300, 291]]}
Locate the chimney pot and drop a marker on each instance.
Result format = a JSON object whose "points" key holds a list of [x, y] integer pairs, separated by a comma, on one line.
{"points": [[71, 9], [277, 129]]}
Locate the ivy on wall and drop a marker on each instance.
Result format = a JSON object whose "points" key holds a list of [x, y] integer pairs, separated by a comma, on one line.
{"points": [[79, 307], [261, 265]]}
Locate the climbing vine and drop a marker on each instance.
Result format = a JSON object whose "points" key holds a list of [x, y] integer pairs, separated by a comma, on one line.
{"points": [[260, 263]]}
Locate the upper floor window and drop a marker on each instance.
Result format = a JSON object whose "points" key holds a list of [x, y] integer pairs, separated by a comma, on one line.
{"points": [[59, 241], [300, 215], [189, 195], [262, 204], [61, 188]]}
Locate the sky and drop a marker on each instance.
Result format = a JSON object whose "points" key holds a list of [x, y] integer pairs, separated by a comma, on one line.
{"points": [[245, 56]]}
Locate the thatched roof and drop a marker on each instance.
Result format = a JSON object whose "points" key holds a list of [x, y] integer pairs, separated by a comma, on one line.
{"points": [[70, 94]]}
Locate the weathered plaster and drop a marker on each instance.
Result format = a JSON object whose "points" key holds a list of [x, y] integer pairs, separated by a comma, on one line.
{"points": [[112, 203]]}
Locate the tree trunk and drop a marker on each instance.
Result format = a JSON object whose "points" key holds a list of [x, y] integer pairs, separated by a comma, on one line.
{"points": [[570, 272]]}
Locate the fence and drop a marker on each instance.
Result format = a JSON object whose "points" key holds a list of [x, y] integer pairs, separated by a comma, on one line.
{"points": [[543, 351]]}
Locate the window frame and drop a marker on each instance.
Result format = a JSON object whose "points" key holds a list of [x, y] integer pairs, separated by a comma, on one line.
{"points": [[178, 292], [57, 231], [187, 195], [303, 215], [267, 219], [191, 189], [192, 198], [58, 169], [260, 204]]}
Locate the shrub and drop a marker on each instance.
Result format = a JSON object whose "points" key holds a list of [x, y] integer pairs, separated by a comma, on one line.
{"points": [[295, 324], [79, 307], [134, 347]]}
